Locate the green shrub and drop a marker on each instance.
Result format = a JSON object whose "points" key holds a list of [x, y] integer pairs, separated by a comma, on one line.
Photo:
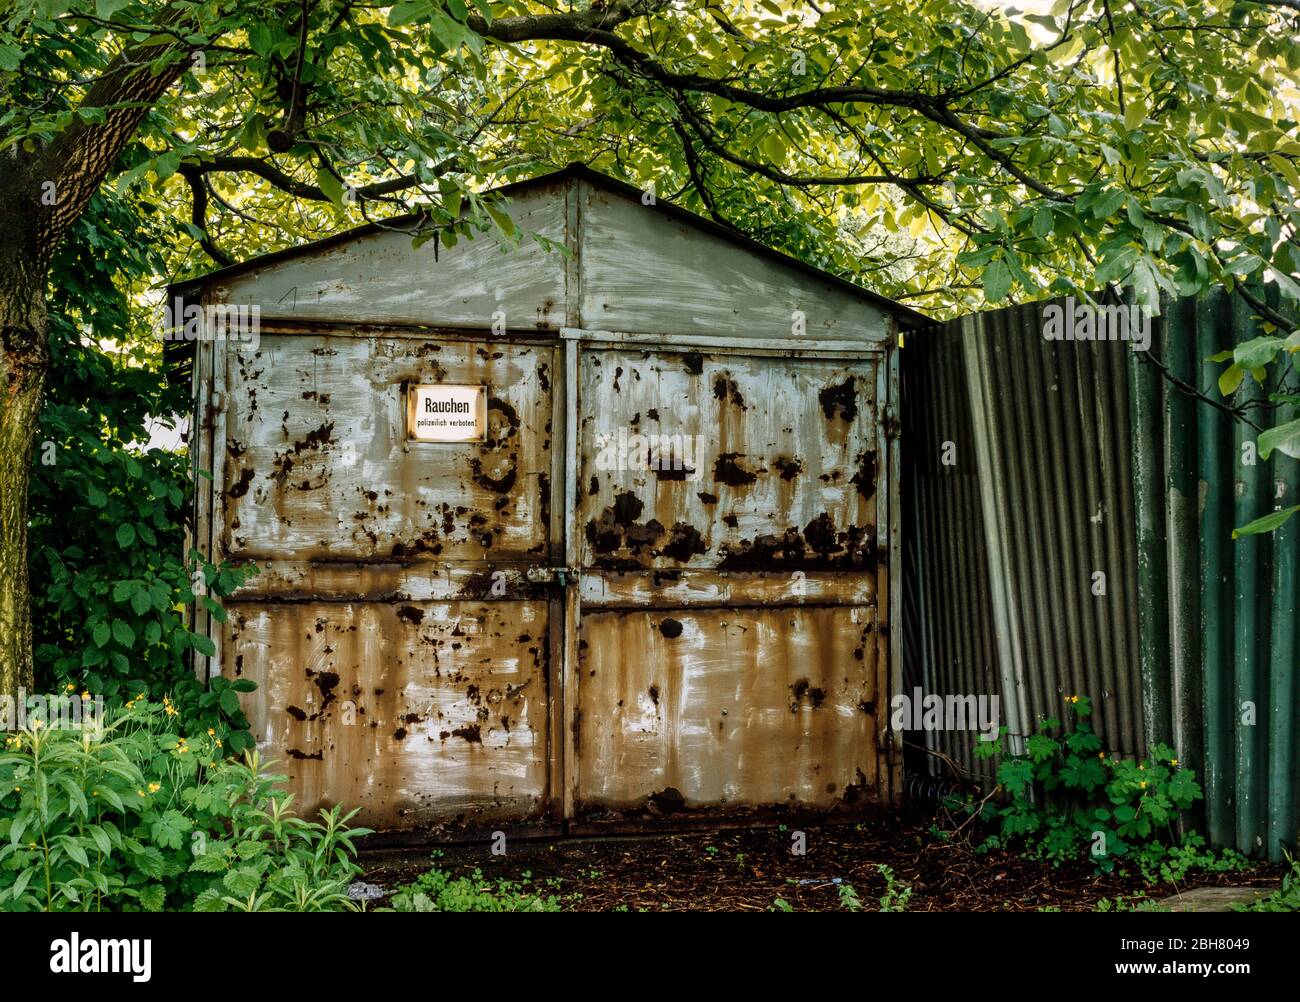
{"points": [[438, 891], [1066, 799], [110, 579], [127, 813]]}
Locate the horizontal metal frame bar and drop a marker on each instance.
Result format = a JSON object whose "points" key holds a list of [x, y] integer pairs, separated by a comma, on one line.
{"points": [[785, 346]]}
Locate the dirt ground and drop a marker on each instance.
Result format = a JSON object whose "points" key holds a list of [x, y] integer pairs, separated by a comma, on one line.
{"points": [[747, 869]]}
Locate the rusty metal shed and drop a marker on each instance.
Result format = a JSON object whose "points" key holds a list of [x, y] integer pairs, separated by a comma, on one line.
{"points": [[549, 626]]}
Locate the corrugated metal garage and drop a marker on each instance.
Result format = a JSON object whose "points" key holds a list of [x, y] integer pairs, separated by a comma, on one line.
{"points": [[641, 573]]}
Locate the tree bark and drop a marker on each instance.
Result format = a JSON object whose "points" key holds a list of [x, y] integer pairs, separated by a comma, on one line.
{"points": [[24, 362]]}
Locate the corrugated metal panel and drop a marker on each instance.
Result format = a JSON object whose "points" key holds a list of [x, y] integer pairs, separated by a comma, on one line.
{"points": [[1036, 505], [943, 540], [1087, 459], [1219, 636]]}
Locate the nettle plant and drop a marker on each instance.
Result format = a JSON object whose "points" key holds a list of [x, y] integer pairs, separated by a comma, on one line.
{"points": [[1067, 799], [128, 813]]}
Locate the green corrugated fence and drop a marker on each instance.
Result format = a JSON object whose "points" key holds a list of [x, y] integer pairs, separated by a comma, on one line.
{"points": [[1078, 457]]}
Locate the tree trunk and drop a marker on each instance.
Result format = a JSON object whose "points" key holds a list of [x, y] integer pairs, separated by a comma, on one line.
{"points": [[24, 362], [42, 193]]}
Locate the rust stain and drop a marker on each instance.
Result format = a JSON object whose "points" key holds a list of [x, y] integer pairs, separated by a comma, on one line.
{"points": [[840, 401]]}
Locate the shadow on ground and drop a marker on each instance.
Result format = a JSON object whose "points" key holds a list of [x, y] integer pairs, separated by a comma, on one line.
{"points": [[748, 869]]}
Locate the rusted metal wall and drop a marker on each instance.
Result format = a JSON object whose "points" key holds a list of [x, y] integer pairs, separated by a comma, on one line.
{"points": [[759, 674], [511, 632], [394, 670]]}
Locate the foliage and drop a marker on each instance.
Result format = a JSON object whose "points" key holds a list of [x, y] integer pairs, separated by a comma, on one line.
{"points": [[897, 894], [436, 890], [1286, 898], [944, 152], [1130, 903], [849, 899], [127, 813], [1067, 799], [109, 576]]}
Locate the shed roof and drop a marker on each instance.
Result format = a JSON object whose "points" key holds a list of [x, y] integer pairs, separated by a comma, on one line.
{"points": [[571, 171], [660, 268]]}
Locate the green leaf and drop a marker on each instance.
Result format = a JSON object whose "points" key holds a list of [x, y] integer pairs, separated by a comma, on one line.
{"points": [[208, 862], [1134, 115], [502, 219], [259, 38], [1230, 378], [1042, 225], [1108, 203], [1285, 438], [152, 898], [242, 882], [123, 633], [100, 634], [1267, 523], [125, 535], [331, 186], [997, 281], [1257, 351], [408, 11]]}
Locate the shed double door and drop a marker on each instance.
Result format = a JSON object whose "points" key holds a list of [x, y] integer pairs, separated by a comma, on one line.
{"points": [[657, 588]]}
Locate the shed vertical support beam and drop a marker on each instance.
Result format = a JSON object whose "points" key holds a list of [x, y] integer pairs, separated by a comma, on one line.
{"points": [[557, 555], [220, 406], [895, 636], [569, 735], [204, 487]]}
